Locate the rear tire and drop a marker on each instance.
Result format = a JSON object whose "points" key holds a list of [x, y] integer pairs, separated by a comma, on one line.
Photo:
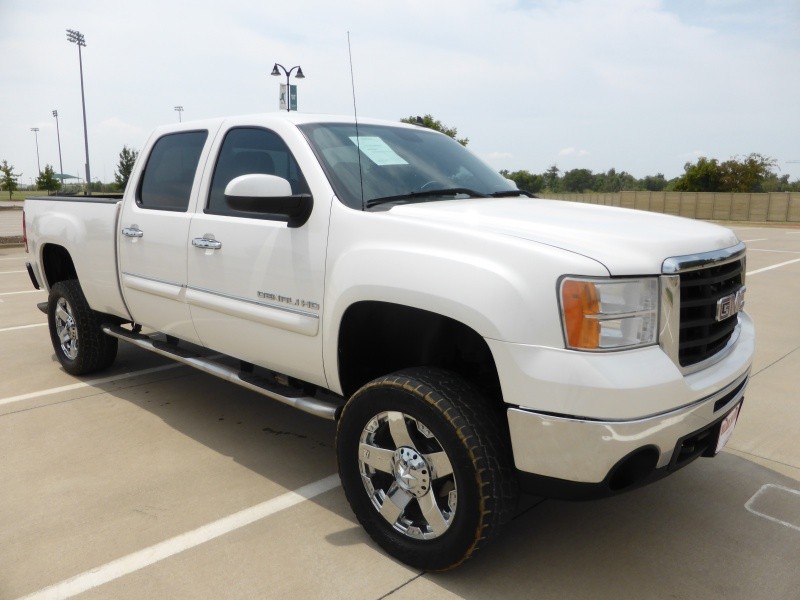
{"points": [[75, 330], [425, 464]]}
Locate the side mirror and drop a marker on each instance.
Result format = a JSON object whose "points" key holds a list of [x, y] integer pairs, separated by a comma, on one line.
{"points": [[268, 195]]}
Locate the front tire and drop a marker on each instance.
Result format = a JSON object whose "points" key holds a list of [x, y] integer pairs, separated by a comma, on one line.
{"points": [[426, 468], [75, 330]]}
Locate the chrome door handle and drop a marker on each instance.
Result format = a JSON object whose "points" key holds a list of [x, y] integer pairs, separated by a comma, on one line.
{"points": [[206, 243], [133, 232]]}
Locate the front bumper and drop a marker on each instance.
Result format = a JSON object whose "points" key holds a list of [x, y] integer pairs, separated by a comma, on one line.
{"points": [[612, 456], [612, 421]]}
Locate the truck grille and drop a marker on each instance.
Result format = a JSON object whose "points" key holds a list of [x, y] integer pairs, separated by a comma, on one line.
{"points": [[701, 335]]}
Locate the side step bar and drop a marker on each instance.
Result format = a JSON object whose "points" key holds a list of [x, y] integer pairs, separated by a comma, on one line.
{"points": [[315, 406]]}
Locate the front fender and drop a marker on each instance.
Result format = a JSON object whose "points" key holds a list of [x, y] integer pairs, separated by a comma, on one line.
{"points": [[502, 287]]}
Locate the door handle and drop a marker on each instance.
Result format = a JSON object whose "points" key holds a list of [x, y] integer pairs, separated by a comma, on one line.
{"points": [[207, 243], [133, 232]]}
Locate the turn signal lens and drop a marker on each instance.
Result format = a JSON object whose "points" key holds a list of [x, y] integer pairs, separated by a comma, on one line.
{"points": [[609, 314], [580, 302]]}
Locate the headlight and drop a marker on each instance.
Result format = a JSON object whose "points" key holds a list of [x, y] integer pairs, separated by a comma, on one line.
{"points": [[609, 314]]}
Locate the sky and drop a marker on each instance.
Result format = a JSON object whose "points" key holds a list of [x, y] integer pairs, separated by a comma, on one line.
{"points": [[643, 86]]}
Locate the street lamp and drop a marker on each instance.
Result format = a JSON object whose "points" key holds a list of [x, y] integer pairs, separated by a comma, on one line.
{"points": [[35, 131], [299, 75], [60, 164], [76, 37], [179, 110]]}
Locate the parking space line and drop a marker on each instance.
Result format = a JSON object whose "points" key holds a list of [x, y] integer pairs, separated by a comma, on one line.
{"points": [[83, 384], [783, 264], [766, 488], [11, 272], [25, 292], [22, 327], [143, 558], [776, 251], [756, 240]]}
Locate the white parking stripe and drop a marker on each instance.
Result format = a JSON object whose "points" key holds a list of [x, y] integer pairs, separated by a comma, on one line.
{"points": [[756, 240], [22, 327], [776, 251], [83, 384], [11, 272], [158, 552], [25, 292], [783, 264]]}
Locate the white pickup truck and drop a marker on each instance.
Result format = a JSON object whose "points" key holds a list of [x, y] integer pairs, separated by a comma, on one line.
{"points": [[469, 341]]}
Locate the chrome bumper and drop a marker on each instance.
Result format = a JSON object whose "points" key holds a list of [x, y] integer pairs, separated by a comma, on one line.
{"points": [[587, 451]]}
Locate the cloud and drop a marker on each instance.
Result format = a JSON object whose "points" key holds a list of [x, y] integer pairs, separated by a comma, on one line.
{"points": [[571, 151]]}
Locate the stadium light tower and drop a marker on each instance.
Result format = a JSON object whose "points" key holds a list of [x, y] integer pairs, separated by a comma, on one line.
{"points": [[76, 37], [58, 135], [179, 110]]}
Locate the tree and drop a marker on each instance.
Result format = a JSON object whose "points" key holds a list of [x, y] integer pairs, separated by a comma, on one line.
{"points": [[577, 180], [551, 179], [47, 180], [127, 158], [431, 123], [525, 180], [8, 179], [704, 176], [655, 183], [747, 174]]}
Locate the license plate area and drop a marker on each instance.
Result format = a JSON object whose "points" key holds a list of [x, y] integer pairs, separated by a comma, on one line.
{"points": [[706, 441]]}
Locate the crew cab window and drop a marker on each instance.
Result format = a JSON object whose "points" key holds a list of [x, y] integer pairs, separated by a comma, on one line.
{"points": [[248, 150], [170, 170]]}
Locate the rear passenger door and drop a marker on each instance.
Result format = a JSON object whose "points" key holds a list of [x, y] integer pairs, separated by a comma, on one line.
{"points": [[255, 286], [154, 230]]}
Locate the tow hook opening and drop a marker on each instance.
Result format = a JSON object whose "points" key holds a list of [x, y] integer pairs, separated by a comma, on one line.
{"points": [[633, 469]]}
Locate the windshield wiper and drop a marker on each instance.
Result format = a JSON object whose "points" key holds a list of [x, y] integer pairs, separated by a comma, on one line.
{"points": [[423, 193], [512, 193]]}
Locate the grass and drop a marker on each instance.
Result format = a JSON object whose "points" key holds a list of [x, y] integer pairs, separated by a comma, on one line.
{"points": [[20, 195]]}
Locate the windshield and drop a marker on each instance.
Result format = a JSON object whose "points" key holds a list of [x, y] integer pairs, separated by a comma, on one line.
{"points": [[398, 164]]}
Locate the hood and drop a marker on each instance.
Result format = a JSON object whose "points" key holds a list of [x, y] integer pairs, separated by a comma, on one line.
{"points": [[626, 241]]}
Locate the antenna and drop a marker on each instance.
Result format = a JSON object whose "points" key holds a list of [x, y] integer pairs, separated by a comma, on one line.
{"points": [[355, 115]]}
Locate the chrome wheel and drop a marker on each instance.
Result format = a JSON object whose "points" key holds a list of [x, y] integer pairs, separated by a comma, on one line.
{"points": [[66, 329], [407, 475]]}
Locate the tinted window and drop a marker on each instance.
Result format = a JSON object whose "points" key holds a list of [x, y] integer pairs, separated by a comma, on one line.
{"points": [[169, 174], [248, 150]]}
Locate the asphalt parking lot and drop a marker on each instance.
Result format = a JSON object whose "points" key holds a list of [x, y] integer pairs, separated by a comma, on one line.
{"points": [[156, 481]]}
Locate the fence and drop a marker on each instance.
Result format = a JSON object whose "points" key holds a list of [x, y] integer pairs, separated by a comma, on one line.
{"points": [[779, 207]]}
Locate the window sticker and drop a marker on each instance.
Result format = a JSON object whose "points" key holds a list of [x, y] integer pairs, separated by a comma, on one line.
{"points": [[377, 150]]}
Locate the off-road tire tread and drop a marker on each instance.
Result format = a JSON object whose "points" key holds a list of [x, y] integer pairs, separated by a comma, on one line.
{"points": [[96, 350], [480, 427]]}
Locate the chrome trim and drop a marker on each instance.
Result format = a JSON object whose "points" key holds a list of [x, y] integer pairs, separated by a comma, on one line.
{"points": [[207, 243], [154, 279], [694, 262], [309, 404], [288, 309], [669, 329], [594, 447], [670, 301], [132, 232]]}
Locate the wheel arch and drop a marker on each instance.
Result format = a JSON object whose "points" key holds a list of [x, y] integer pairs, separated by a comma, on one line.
{"points": [[376, 338], [57, 264]]}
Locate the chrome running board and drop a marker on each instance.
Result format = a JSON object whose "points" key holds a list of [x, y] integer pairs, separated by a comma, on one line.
{"points": [[261, 385]]}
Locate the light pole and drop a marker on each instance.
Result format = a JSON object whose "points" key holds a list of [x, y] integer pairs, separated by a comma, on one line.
{"points": [[76, 37], [35, 131], [60, 164], [299, 75], [179, 110]]}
